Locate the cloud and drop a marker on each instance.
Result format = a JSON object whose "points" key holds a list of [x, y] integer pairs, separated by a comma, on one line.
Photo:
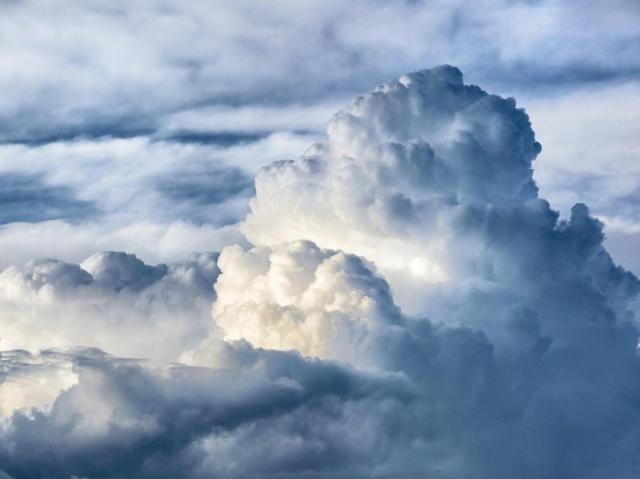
{"points": [[112, 301], [32, 381], [299, 297], [398, 167], [135, 179], [252, 119], [582, 132], [152, 241], [158, 198], [121, 70], [195, 75], [167, 423], [26, 198], [427, 168], [600, 128], [408, 307], [200, 188]]}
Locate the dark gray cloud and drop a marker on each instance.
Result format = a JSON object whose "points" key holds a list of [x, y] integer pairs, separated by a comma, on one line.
{"points": [[215, 138], [180, 410], [199, 187], [29, 198]]}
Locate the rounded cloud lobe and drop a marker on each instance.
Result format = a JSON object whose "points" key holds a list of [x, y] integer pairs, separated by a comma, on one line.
{"points": [[300, 297], [112, 301], [409, 308]]}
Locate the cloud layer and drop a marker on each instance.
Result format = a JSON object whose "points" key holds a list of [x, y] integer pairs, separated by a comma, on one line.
{"points": [[123, 69], [408, 307], [99, 99]]}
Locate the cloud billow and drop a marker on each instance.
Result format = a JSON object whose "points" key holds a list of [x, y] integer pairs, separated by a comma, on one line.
{"points": [[409, 307], [112, 301]]}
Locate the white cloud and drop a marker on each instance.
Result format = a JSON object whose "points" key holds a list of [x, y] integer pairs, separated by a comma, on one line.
{"points": [[123, 68], [590, 150], [394, 176], [161, 200], [151, 241], [32, 381], [591, 155], [522, 341], [438, 309], [299, 297], [112, 301]]}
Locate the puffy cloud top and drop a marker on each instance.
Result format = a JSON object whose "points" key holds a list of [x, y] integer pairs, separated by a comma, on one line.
{"points": [[111, 301], [299, 297], [428, 133], [121, 270], [397, 166]]}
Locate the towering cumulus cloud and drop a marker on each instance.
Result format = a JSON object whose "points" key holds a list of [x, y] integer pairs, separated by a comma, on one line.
{"points": [[409, 308], [397, 176]]}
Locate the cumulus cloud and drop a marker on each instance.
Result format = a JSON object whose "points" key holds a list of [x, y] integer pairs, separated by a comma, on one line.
{"points": [[32, 381], [393, 178], [298, 297], [429, 171], [181, 421], [194, 74], [408, 307], [112, 301]]}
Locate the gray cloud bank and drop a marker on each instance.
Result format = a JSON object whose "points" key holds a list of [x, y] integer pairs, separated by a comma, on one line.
{"points": [[408, 307], [94, 70], [158, 198]]}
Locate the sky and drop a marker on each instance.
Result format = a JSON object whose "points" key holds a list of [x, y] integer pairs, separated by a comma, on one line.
{"points": [[319, 239]]}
